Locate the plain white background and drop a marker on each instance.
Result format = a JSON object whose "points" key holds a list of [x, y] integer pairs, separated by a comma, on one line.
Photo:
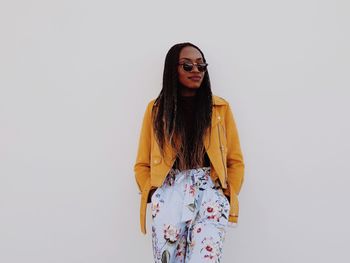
{"points": [[76, 76]]}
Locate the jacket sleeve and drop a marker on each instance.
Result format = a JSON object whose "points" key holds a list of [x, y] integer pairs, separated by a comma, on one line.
{"points": [[142, 163], [235, 162]]}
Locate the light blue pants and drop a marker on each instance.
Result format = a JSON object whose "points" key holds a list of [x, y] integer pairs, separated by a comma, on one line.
{"points": [[189, 218]]}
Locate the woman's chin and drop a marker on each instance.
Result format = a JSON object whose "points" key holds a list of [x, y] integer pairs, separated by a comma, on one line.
{"points": [[193, 86]]}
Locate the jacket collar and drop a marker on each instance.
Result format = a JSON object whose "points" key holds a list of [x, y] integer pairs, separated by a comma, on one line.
{"points": [[218, 100]]}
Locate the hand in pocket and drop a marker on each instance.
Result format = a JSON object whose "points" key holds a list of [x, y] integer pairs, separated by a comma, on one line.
{"points": [[151, 192]]}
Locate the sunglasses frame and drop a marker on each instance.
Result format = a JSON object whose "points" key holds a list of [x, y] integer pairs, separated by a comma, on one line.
{"points": [[194, 64]]}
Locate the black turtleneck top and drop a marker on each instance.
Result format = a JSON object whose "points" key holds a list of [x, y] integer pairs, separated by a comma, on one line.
{"points": [[188, 107]]}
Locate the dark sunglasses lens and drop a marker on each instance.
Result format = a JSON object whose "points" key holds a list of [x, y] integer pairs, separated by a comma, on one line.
{"points": [[187, 67], [202, 67]]}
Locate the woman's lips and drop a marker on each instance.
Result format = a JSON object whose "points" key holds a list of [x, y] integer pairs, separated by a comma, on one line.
{"points": [[195, 78]]}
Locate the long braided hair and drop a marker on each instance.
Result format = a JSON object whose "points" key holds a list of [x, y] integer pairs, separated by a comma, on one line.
{"points": [[168, 124]]}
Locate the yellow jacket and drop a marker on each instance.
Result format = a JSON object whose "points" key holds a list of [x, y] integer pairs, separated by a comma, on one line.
{"points": [[224, 152]]}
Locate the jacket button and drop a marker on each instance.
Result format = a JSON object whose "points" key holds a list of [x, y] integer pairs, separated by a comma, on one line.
{"points": [[156, 161], [218, 117]]}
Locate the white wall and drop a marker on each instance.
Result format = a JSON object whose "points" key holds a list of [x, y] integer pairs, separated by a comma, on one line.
{"points": [[76, 76]]}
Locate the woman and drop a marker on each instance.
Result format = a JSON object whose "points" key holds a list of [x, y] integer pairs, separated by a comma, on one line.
{"points": [[189, 164]]}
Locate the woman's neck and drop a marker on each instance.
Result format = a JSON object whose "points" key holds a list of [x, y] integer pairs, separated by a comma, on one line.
{"points": [[187, 92]]}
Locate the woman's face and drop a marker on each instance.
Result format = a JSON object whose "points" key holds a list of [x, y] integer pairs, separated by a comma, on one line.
{"points": [[194, 78]]}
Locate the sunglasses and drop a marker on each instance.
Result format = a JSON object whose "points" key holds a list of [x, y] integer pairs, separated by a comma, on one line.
{"points": [[187, 66]]}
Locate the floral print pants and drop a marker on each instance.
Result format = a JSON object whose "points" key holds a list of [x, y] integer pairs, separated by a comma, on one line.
{"points": [[189, 218]]}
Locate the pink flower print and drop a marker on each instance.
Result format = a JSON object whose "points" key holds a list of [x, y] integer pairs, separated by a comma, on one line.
{"points": [[212, 210], [210, 249], [197, 228], [171, 233]]}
